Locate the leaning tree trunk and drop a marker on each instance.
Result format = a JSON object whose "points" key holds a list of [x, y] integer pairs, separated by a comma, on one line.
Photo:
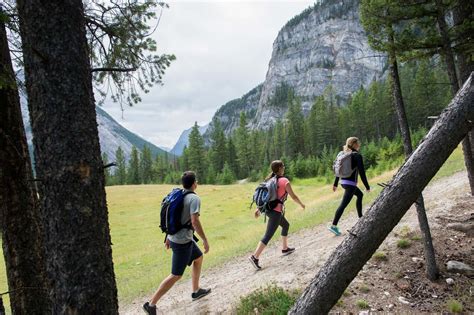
{"points": [[432, 271], [19, 214], [390, 206], [463, 13], [67, 155]]}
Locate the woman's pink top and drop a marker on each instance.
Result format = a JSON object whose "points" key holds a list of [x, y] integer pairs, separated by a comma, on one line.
{"points": [[282, 182]]}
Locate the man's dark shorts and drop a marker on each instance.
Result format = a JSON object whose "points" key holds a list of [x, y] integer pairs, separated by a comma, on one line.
{"points": [[183, 255]]}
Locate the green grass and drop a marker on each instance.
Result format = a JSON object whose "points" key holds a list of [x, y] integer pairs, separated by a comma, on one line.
{"points": [[140, 260], [362, 304], [269, 300], [453, 164], [380, 256], [405, 232], [403, 243], [454, 306]]}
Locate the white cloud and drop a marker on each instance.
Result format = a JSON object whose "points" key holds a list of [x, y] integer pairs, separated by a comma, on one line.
{"points": [[222, 48]]}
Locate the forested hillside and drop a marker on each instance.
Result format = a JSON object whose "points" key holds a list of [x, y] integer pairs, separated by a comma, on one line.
{"points": [[308, 144]]}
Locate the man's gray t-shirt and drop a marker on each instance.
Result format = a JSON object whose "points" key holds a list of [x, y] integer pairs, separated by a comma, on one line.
{"points": [[191, 205]]}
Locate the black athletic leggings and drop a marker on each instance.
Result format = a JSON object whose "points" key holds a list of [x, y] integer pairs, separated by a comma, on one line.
{"points": [[350, 191], [275, 219]]}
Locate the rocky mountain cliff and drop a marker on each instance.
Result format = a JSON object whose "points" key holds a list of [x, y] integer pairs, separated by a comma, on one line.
{"points": [[324, 46], [229, 113]]}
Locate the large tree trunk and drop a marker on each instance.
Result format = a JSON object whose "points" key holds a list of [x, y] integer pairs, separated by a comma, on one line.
{"points": [[67, 155], [390, 206], [464, 13], [19, 214], [447, 51], [432, 271]]}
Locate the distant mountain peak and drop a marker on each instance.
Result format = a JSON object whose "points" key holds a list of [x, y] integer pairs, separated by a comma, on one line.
{"points": [[183, 140], [111, 135]]}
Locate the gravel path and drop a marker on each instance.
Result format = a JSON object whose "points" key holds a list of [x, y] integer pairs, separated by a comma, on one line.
{"points": [[237, 277]]}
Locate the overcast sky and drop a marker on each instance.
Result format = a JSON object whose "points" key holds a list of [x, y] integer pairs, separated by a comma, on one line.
{"points": [[222, 51]]}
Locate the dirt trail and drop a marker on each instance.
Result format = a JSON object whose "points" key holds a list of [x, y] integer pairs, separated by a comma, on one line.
{"points": [[238, 278]]}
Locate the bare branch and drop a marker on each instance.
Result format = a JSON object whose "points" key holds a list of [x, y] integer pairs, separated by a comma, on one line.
{"points": [[114, 69]]}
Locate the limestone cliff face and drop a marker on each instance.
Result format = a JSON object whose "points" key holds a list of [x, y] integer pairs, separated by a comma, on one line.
{"points": [[323, 46], [323, 50]]}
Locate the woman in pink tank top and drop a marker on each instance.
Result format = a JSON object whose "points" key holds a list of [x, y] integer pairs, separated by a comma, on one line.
{"points": [[276, 216]]}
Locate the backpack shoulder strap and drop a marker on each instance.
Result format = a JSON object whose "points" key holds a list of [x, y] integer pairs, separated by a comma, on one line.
{"points": [[187, 192], [188, 224]]}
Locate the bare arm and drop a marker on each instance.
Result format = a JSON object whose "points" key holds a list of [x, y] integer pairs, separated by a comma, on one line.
{"points": [[293, 196], [199, 230]]}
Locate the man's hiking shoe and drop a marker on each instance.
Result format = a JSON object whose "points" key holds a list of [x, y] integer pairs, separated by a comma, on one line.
{"points": [[150, 310], [200, 293], [254, 262], [287, 251], [334, 229]]}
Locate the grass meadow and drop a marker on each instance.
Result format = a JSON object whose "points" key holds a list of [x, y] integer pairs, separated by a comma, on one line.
{"points": [[140, 259]]}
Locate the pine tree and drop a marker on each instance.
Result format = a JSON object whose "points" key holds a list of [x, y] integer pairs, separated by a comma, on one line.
{"points": [[20, 224], [315, 121], [244, 157], [160, 169], [146, 166], [232, 156], [108, 177], [278, 141], [295, 139], [183, 161], [226, 177], [134, 168], [378, 18], [217, 151], [67, 157], [121, 172], [196, 153]]}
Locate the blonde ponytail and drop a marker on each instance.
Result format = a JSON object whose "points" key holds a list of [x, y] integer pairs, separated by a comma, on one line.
{"points": [[350, 143]]}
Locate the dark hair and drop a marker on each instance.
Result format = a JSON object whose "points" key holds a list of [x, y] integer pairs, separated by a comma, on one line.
{"points": [[275, 166], [188, 179]]}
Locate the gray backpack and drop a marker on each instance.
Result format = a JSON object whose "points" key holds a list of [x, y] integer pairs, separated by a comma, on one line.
{"points": [[342, 165], [266, 195]]}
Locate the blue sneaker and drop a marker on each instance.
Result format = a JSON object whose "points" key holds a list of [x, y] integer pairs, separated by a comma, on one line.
{"points": [[334, 229]]}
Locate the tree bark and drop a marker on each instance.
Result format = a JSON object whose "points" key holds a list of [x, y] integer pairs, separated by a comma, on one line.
{"points": [[19, 213], [67, 155], [390, 206], [464, 12], [447, 51], [399, 105], [431, 268]]}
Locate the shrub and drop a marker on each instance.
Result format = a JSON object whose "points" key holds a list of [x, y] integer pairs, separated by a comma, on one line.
{"points": [[405, 232], [454, 306], [268, 300], [227, 177], [362, 304], [403, 243], [380, 256]]}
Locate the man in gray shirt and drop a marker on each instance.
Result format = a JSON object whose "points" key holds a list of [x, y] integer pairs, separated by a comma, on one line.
{"points": [[185, 250]]}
